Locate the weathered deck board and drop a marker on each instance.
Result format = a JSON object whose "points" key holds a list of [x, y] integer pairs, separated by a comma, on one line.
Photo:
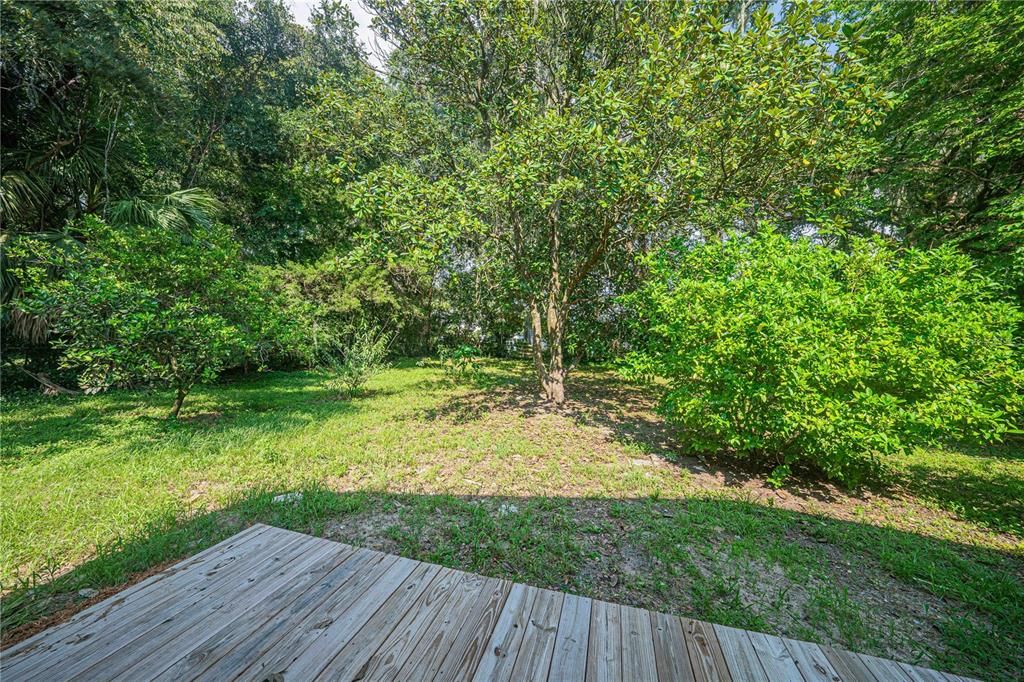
{"points": [[402, 640], [740, 654], [569, 661], [504, 643], [670, 651], [812, 662], [705, 651], [604, 656], [270, 604], [44, 646], [240, 638]]}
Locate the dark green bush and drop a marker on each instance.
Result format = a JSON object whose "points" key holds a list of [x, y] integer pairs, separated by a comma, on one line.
{"points": [[798, 354]]}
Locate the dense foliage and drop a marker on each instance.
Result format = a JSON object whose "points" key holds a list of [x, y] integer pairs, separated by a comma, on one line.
{"points": [[794, 353], [137, 305], [499, 184], [950, 164]]}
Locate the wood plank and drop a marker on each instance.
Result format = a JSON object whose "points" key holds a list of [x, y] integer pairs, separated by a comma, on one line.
{"points": [[705, 651], [638, 662], [274, 658], [848, 665], [500, 655], [165, 581], [740, 654], [883, 669], [919, 674], [604, 654], [354, 657], [244, 634], [329, 627], [812, 662], [670, 652], [775, 658], [569, 661], [271, 602], [396, 649], [285, 621], [470, 646], [534, 658], [158, 648], [124, 622], [432, 649]]}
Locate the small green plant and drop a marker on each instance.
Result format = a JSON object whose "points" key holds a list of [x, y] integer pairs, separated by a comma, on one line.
{"points": [[461, 362], [360, 360]]}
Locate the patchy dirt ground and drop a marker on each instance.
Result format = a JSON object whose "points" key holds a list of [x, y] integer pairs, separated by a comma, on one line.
{"points": [[594, 497], [836, 602]]}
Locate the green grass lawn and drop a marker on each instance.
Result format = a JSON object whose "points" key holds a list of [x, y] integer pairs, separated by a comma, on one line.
{"points": [[593, 498]]}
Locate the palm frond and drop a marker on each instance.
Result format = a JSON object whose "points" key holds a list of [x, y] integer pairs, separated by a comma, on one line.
{"points": [[181, 210], [20, 194]]}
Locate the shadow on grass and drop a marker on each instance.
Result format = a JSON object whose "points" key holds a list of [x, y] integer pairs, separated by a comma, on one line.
{"points": [[627, 411], [729, 562], [978, 485], [136, 417]]}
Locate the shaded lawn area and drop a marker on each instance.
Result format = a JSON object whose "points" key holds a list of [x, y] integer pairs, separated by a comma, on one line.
{"points": [[594, 498]]}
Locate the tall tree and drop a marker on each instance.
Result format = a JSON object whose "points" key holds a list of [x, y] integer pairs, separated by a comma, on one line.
{"points": [[600, 124], [951, 160]]}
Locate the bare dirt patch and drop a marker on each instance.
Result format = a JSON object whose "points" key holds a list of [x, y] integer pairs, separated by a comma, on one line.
{"points": [[61, 606]]}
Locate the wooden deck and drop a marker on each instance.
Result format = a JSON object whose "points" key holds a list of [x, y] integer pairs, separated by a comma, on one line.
{"points": [[271, 604]]}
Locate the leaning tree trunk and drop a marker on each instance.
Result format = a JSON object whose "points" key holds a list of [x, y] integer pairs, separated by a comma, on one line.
{"points": [[178, 400]]}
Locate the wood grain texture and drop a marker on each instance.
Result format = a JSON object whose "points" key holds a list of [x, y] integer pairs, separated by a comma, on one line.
{"points": [[569, 660], [604, 655], [276, 658], [160, 587], [286, 620], [705, 652], [534, 659], [812, 662], [740, 654], [775, 658], [432, 649], [355, 655], [883, 669], [225, 607], [393, 653], [638, 661], [500, 654], [670, 650], [469, 646], [339, 626], [923, 674], [848, 665], [270, 604], [131, 629]]}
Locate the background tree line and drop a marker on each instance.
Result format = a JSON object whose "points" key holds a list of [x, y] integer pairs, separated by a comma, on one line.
{"points": [[190, 187]]}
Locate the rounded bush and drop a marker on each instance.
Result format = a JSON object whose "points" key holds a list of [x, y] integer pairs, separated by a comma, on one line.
{"points": [[799, 354]]}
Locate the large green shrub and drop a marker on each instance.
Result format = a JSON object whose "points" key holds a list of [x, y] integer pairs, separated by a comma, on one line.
{"points": [[794, 353], [138, 305]]}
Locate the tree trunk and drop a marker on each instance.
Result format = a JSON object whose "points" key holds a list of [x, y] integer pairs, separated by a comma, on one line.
{"points": [[551, 374], [178, 400], [555, 384]]}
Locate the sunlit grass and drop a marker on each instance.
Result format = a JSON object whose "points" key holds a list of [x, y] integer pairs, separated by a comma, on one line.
{"points": [[603, 503]]}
